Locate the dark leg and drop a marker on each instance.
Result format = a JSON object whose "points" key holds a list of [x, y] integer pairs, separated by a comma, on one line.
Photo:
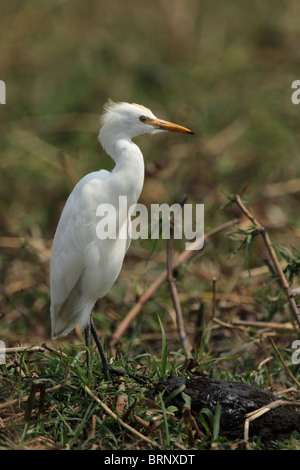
{"points": [[87, 335], [105, 363], [107, 368]]}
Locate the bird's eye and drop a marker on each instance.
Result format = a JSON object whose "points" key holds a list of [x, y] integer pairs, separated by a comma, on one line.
{"points": [[143, 118]]}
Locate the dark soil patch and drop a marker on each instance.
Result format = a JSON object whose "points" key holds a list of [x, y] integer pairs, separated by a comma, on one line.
{"points": [[236, 399]]}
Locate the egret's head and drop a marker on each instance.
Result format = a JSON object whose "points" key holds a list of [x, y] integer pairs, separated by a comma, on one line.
{"points": [[134, 119]]}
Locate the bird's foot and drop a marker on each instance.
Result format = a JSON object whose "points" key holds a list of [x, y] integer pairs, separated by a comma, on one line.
{"points": [[121, 373]]}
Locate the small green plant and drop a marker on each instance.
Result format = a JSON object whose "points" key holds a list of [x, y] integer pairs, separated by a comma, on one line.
{"points": [[292, 257], [212, 427], [246, 240]]}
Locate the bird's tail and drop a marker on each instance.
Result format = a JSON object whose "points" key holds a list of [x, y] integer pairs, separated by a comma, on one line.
{"points": [[64, 317]]}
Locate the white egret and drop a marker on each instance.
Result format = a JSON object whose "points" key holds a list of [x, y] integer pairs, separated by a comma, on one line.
{"points": [[83, 267]]}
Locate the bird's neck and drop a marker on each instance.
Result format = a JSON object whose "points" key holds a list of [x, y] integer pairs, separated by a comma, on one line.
{"points": [[129, 170]]}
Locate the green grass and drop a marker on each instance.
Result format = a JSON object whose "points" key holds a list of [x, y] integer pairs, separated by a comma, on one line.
{"points": [[63, 417], [51, 401], [226, 73]]}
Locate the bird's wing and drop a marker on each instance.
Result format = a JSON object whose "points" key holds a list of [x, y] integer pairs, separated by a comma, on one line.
{"points": [[73, 234]]}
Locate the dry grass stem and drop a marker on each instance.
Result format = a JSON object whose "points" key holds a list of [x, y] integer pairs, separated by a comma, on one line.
{"points": [[283, 363], [175, 299], [19, 349], [119, 420], [264, 409], [277, 265], [262, 324]]}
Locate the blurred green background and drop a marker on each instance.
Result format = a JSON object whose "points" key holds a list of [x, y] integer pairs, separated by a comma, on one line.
{"points": [[223, 69]]}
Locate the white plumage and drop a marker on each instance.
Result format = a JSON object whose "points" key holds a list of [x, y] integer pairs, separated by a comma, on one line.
{"points": [[83, 268]]}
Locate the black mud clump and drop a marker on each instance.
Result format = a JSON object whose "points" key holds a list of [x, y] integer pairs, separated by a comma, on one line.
{"points": [[236, 400]]}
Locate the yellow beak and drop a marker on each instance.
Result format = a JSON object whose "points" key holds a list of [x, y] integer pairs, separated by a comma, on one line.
{"points": [[168, 126]]}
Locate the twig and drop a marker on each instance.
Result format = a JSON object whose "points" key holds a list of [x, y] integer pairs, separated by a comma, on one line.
{"points": [[264, 409], [191, 425], [225, 324], [35, 387], [119, 420], [277, 266], [188, 425], [263, 324], [23, 348], [214, 303], [58, 352], [143, 299], [175, 299], [283, 363]]}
